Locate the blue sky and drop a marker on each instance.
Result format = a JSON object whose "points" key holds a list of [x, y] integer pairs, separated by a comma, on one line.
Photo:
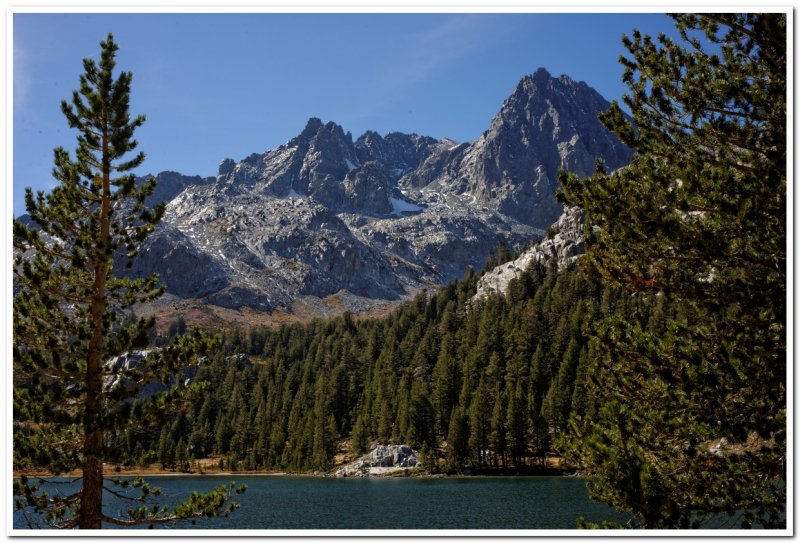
{"points": [[227, 85]]}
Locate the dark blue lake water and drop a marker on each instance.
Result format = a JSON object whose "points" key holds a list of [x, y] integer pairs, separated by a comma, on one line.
{"points": [[279, 503]]}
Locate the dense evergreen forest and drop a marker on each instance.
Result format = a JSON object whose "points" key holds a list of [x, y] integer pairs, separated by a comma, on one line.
{"points": [[496, 380]]}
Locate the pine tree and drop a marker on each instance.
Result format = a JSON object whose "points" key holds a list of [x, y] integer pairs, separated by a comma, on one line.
{"points": [[516, 422], [498, 437], [359, 441], [421, 428], [68, 305], [689, 389], [457, 440], [166, 450], [446, 384], [480, 423], [181, 456]]}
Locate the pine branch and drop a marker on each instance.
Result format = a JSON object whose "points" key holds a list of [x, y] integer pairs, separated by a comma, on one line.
{"points": [[143, 521], [730, 23], [123, 496]]}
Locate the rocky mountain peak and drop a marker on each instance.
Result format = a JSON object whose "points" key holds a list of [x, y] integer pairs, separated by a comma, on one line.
{"points": [[226, 167], [330, 156], [539, 95], [542, 81], [312, 127], [318, 132], [169, 184], [399, 153], [323, 217], [547, 124], [331, 132]]}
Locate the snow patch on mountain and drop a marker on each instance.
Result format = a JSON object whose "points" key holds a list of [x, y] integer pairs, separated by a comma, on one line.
{"points": [[401, 207]]}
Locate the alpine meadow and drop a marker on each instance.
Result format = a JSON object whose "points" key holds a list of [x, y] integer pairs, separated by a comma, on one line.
{"points": [[591, 289]]}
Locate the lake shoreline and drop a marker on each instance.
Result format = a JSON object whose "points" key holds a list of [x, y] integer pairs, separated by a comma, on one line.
{"points": [[211, 466], [492, 473]]}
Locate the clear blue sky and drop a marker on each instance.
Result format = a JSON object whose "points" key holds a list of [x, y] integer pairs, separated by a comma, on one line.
{"points": [[227, 85]]}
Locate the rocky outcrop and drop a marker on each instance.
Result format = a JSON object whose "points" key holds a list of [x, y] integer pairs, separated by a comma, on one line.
{"points": [[120, 368], [382, 460], [564, 244], [367, 190], [170, 184], [184, 268]]}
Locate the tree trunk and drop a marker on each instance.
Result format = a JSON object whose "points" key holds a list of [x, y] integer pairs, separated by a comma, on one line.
{"points": [[92, 495]]}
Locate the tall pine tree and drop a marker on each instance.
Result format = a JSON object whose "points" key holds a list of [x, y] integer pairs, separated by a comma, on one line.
{"points": [[688, 417], [67, 399]]}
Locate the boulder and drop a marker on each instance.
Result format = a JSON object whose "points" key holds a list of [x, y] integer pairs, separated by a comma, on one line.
{"points": [[382, 460]]}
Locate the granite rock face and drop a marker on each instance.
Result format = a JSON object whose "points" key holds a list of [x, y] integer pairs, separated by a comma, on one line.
{"points": [[170, 184], [545, 125], [380, 218], [381, 460], [367, 190], [185, 269], [564, 246]]}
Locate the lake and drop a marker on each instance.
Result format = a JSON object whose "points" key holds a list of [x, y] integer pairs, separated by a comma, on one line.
{"points": [[492, 503]]}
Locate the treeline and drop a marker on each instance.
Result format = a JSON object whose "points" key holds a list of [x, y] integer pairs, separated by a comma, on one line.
{"points": [[496, 379]]}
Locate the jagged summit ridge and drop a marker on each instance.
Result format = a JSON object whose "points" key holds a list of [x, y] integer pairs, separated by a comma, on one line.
{"points": [[379, 217], [546, 124]]}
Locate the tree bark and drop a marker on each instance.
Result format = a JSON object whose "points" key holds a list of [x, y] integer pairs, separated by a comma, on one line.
{"points": [[91, 512], [92, 496]]}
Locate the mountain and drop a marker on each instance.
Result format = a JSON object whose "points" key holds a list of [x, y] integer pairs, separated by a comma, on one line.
{"points": [[324, 223], [545, 125]]}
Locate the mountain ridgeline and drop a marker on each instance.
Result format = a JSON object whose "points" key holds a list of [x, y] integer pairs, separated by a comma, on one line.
{"points": [[378, 219]]}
